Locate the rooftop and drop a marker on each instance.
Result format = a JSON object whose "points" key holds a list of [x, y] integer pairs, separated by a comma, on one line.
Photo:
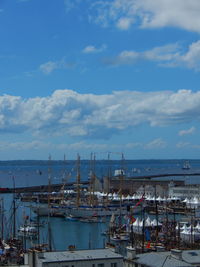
{"points": [[167, 259], [76, 255]]}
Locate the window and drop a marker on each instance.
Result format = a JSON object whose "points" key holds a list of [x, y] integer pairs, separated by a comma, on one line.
{"points": [[100, 265], [93, 265], [113, 264]]}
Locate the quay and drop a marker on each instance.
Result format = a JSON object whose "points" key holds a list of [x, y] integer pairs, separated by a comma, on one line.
{"points": [[58, 187], [40, 188]]}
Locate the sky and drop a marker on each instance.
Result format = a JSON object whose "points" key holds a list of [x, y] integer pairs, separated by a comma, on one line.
{"points": [[99, 76]]}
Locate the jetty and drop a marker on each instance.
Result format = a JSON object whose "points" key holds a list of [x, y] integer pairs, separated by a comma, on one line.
{"points": [[57, 187], [40, 188]]}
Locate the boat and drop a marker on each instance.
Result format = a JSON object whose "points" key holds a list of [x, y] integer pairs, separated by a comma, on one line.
{"points": [[71, 218], [186, 165], [92, 220], [28, 231], [97, 211], [120, 237]]}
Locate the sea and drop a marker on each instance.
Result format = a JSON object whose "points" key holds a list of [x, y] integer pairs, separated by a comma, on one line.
{"points": [[65, 233]]}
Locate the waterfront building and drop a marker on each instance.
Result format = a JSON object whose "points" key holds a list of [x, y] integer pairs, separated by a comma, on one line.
{"points": [[184, 191], [140, 185], [173, 258], [76, 258]]}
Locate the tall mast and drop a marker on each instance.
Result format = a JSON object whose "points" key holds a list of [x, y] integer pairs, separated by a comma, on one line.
{"points": [[92, 178], [121, 185], [109, 174], [49, 190], [78, 180], [2, 219], [64, 179], [122, 172], [14, 210], [108, 180]]}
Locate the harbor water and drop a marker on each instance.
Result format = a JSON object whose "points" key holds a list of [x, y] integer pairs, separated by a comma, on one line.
{"points": [[64, 232]]}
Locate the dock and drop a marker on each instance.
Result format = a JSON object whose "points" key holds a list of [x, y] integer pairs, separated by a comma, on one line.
{"points": [[72, 185]]}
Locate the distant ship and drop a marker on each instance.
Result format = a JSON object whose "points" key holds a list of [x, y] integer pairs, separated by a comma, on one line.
{"points": [[186, 165]]}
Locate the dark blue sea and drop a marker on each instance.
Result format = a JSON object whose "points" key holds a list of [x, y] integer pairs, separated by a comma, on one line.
{"points": [[64, 233]]}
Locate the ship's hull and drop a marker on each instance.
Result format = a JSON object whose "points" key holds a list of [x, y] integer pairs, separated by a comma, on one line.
{"points": [[79, 212]]}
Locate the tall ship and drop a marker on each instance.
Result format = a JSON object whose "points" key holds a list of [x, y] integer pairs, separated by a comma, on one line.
{"points": [[88, 203]]}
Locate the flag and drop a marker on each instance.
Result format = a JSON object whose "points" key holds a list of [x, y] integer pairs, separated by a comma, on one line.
{"points": [[132, 219], [139, 202], [148, 245]]}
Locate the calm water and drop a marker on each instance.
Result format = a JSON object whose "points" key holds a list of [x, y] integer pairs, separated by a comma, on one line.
{"points": [[65, 233]]}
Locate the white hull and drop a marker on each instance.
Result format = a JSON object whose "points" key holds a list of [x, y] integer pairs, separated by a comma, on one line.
{"points": [[97, 212], [80, 211], [45, 211]]}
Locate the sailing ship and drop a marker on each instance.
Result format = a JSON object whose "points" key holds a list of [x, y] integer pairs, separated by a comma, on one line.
{"points": [[186, 165]]}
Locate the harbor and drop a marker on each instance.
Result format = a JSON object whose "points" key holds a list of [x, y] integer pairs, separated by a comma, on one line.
{"points": [[132, 211]]}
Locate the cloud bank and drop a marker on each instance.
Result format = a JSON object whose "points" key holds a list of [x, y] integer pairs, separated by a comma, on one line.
{"points": [[123, 14], [67, 112]]}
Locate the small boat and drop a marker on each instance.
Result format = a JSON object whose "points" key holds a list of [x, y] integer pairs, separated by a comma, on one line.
{"points": [[120, 237], [91, 220], [71, 218], [27, 231]]}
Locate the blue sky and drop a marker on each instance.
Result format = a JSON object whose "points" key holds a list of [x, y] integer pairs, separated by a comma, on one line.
{"points": [[82, 76]]}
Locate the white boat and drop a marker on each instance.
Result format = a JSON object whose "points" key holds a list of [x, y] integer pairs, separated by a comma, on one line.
{"points": [[27, 231], [87, 211], [120, 237], [53, 211], [92, 220]]}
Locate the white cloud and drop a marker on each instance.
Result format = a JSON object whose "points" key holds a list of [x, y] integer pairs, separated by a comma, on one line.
{"points": [[148, 13], [192, 57], [91, 49], [183, 145], [170, 55], [70, 4], [50, 66], [157, 143], [187, 132], [166, 54], [67, 112], [124, 23]]}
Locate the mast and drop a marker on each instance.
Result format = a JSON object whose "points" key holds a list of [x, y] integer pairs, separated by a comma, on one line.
{"points": [[121, 177], [109, 174], [78, 180], [64, 181], [156, 216], [49, 190], [2, 219], [108, 180], [49, 182], [14, 210], [92, 178]]}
